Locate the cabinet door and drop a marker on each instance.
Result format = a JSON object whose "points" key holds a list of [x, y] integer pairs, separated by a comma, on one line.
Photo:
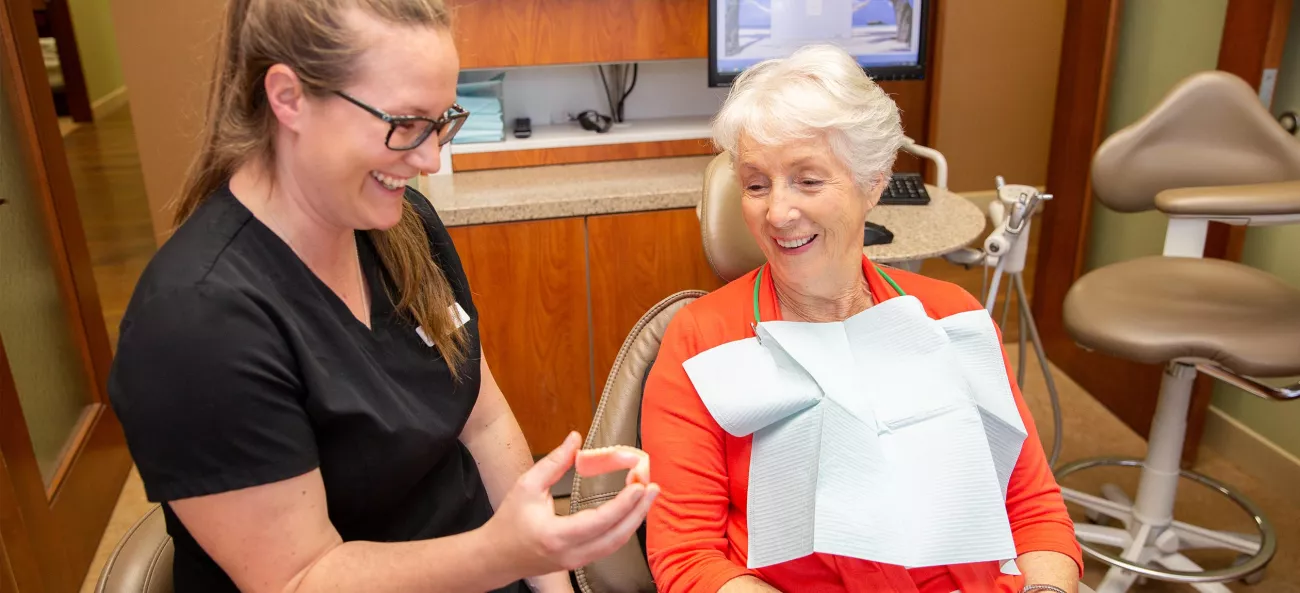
{"points": [[498, 33], [638, 259], [529, 281]]}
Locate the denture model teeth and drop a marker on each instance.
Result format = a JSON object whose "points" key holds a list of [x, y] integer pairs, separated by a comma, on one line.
{"points": [[593, 462]]}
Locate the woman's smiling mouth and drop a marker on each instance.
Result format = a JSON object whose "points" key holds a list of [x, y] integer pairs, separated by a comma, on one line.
{"points": [[794, 243]]}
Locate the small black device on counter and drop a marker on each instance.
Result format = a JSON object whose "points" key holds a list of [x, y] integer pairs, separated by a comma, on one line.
{"points": [[523, 127], [875, 234], [905, 189], [594, 121]]}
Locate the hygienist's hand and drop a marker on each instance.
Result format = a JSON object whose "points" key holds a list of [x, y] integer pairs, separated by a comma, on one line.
{"points": [[534, 541]]}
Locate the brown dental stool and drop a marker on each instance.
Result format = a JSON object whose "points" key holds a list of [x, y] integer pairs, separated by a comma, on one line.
{"points": [[1209, 151]]}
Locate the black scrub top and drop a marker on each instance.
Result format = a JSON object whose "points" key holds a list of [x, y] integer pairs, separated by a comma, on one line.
{"points": [[236, 366]]}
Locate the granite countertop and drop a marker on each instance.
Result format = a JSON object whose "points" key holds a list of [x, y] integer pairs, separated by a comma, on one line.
{"points": [[558, 191], [949, 223]]}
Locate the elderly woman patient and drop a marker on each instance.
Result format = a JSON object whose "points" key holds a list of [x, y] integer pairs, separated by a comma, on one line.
{"points": [[812, 141]]}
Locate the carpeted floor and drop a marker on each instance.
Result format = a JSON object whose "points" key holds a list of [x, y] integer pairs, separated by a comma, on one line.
{"points": [[1089, 431]]}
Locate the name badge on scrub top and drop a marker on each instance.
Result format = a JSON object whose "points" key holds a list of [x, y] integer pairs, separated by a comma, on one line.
{"points": [[457, 313]]}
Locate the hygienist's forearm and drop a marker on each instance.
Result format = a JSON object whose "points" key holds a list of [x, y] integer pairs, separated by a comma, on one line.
{"points": [[463, 562], [501, 454], [747, 584], [1049, 568]]}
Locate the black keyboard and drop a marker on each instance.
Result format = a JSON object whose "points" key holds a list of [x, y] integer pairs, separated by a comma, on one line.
{"points": [[905, 189]]}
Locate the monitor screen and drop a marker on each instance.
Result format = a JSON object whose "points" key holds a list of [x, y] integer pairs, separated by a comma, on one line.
{"points": [[886, 36]]}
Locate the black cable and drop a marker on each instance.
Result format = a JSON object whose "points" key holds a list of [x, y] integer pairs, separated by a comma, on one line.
{"points": [[628, 92], [609, 96]]}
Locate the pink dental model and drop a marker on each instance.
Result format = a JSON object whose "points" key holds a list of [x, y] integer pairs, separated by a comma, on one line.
{"points": [[593, 462]]}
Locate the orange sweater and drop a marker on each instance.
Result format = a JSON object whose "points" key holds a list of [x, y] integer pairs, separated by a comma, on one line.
{"points": [[696, 532]]}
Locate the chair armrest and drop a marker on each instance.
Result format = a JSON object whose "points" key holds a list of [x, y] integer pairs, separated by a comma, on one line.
{"points": [[1257, 202]]}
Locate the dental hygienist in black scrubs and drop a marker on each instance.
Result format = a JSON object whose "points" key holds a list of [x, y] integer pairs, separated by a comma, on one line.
{"points": [[299, 371]]}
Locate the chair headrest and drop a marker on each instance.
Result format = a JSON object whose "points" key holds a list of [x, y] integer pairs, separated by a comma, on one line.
{"points": [[729, 247], [142, 561], [617, 422], [1211, 129]]}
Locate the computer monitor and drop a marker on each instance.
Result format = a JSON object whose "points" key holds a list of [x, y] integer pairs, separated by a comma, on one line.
{"points": [[886, 36]]}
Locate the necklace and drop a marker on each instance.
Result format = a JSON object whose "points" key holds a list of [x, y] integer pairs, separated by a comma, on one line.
{"points": [[362, 286], [363, 289]]}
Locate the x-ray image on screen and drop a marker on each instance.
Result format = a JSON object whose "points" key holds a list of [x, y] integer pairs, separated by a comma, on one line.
{"points": [[881, 34]]}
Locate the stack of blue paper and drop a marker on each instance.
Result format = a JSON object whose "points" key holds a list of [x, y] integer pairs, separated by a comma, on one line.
{"points": [[483, 102]]}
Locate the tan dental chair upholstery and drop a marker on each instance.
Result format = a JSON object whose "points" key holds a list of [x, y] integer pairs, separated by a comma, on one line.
{"points": [[729, 247], [732, 253], [1208, 152], [618, 422], [142, 562], [1210, 130], [1157, 309]]}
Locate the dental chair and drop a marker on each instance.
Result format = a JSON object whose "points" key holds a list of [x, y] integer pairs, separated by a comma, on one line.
{"points": [[1208, 152], [732, 253], [142, 561]]}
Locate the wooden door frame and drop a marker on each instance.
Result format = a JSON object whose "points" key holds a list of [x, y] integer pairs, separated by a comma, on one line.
{"points": [[29, 526], [1083, 93], [59, 15], [75, 500]]}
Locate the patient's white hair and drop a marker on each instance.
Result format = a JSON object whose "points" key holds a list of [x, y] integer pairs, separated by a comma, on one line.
{"points": [[818, 89]]}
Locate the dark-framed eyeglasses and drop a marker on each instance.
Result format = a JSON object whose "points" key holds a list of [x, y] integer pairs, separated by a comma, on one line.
{"points": [[407, 132]]}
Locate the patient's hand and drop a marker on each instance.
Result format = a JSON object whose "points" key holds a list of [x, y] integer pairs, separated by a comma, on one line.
{"points": [[593, 462]]}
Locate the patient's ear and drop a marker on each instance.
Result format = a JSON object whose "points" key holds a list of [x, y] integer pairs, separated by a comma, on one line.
{"points": [[874, 190]]}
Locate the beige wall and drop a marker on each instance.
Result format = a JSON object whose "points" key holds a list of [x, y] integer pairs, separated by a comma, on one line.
{"points": [[167, 48], [1160, 43], [997, 90], [1275, 250], [97, 47]]}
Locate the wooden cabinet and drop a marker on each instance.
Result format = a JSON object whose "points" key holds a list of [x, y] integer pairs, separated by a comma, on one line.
{"points": [[556, 299], [580, 154], [529, 281], [501, 33], [638, 259]]}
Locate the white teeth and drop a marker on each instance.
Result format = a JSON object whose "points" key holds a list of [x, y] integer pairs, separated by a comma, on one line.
{"points": [[388, 182], [795, 243]]}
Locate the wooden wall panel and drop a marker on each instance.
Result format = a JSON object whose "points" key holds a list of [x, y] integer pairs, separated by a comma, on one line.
{"points": [[1082, 100], [497, 33], [96, 460], [530, 286], [913, 100], [1265, 23], [993, 94], [578, 154], [638, 259], [29, 530], [19, 570]]}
